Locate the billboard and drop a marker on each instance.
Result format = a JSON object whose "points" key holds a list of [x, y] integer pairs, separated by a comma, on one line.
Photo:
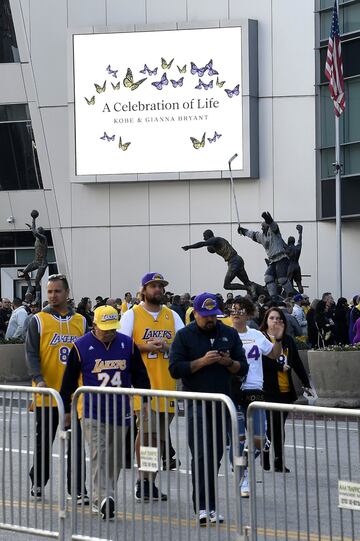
{"points": [[153, 102]]}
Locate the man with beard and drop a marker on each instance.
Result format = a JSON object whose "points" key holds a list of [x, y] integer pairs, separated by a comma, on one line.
{"points": [[152, 326], [205, 355]]}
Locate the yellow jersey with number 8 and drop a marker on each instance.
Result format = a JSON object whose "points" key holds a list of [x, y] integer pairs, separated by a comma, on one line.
{"points": [[157, 363], [57, 335]]}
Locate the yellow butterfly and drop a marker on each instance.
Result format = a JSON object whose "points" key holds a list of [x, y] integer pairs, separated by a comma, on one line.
{"points": [[116, 87], [220, 84], [129, 80], [182, 70], [100, 89], [198, 144], [91, 101], [123, 146], [165, 65]]}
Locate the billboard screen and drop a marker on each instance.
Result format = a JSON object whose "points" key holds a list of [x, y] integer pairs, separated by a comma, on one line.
{"points": [[158, 101]]}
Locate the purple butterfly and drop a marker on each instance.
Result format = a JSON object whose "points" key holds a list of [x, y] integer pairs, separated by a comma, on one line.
{"points": [[112, 72], [215, 138], [197, 71], [163, 81], [107, 137], [177, 83], [148, 70], [203, 85], [210, 69], [234, 92]]}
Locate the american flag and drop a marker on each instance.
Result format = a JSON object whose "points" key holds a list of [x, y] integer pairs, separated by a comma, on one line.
{"points": [[334, 65]]}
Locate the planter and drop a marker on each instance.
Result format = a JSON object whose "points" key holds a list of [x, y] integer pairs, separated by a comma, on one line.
{"points": [[12, 363], [336, 376]]}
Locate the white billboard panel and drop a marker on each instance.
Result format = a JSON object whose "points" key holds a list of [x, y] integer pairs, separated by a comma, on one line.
{"points": [[158, 102]]}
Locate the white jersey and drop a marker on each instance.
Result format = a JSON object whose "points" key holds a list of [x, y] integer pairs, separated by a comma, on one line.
{"points": [[255, 345]]}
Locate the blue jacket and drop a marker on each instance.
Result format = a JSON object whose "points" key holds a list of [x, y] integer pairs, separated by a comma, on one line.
{"points": [[191, 343]]}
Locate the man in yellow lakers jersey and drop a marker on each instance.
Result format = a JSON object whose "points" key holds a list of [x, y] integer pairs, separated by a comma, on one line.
{"points": [[152, 327], [49, 339]]}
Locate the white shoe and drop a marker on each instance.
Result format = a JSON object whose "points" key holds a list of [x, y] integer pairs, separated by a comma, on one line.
{"points": [[216, 517], [244, 488], [203, 517]]}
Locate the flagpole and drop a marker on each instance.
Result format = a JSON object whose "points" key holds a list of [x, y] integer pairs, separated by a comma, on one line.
{"points": [[338, 207], [338, 197]]}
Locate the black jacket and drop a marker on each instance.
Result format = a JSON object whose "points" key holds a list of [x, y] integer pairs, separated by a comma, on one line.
{"points": [[191, 344], [271, 368]]}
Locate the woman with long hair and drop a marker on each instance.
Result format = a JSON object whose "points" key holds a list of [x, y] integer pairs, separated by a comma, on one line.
{"points": [[255, 345], [278, 384], [325, 326], [84, 308]]}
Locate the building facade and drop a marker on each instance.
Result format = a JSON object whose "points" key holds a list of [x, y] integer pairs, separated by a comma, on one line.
{"points": [[107, 234]]}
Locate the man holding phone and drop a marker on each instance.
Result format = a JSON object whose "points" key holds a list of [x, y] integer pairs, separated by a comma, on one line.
{"points": [[205, 355]]}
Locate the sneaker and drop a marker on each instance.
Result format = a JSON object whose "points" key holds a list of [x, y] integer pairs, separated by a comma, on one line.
{"points": [[107, 508], [82, 499], [244, 488], [171, 465], [36, 492], [142, 490], [155, 494], [203, 517], [216, 517]]}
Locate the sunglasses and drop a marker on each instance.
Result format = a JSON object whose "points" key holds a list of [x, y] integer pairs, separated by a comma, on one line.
{"points": [[240, 312]]}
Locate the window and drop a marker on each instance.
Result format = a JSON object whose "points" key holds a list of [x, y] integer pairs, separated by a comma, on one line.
{"points": [[349, 22], [19, 166], [8, 46]]}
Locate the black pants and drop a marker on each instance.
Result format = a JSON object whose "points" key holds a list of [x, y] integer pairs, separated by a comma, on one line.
{"points": [[275, 430], [198, 463], [47, 420]]}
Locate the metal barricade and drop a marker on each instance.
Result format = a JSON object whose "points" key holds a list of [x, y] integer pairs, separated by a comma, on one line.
{"points": [[157, 500], [319, 498], [32, 505]]}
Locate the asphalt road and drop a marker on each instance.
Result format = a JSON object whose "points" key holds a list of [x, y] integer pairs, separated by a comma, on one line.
{"points": [[300, 505]]}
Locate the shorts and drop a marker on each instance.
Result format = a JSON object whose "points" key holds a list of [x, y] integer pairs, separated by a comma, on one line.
{"points": [[144, 420], [259, 417]]}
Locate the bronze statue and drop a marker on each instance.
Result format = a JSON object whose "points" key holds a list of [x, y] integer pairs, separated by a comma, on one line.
{"points": [[293, 252], [236, 268], [276, 250], [40, 261]]}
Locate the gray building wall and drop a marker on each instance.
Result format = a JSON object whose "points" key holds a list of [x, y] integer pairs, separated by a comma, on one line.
{"points": [[108, 235]]}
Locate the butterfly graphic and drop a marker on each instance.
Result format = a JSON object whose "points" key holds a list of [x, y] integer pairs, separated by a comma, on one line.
{"points": [[182, 70], [234, 92], [215, 138], [198, 71], [198, 144], [112, 72], [129, 80], [100, 89], [123, 146], [210, 69], [148, 71], [91, 101], [165, 65], [116, 86], [177, 83], [220, 84], [163, 81], [107, 137], [203, 85]]}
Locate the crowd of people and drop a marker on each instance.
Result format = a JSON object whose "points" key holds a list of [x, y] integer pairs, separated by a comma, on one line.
{"points": [[244, 349], [319, 323]]}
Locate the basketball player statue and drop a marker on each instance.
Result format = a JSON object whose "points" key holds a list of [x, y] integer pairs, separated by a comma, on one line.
{"points": [[276, 250], [293, 252], [40, 262], [236, 269]]}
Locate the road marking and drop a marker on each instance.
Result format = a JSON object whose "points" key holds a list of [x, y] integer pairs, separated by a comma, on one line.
{"points": [[182, 522]]}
